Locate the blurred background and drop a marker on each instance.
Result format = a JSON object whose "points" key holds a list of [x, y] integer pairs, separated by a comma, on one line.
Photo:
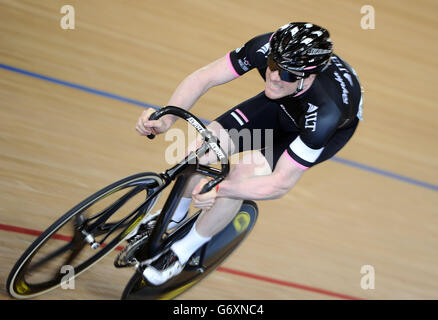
{"points": [[70, 98]]}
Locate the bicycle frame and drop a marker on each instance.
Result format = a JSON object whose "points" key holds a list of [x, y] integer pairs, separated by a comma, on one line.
{"points": [[181, 173]]}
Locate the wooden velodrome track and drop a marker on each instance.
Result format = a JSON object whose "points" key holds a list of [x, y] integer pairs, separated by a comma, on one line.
{"points": [[374, 204]]}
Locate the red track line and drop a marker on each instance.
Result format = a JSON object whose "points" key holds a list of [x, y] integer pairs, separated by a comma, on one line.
{"points": [[286, 283], [221, 269]]}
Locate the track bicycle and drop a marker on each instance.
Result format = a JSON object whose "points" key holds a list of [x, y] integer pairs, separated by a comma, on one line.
{"points": [[104, 221]]}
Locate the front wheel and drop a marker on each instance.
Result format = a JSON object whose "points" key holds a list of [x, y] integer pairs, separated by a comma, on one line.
{"points": [[65, 248]]}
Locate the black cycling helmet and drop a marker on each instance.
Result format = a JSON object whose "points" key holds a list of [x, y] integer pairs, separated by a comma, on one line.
{"points": [[301, 47]]}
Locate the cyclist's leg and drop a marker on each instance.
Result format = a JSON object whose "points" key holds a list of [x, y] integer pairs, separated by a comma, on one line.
{"points": [[210, 222]]}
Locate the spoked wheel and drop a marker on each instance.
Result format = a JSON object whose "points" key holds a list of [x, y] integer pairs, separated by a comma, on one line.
{"points": [[83, 236]]}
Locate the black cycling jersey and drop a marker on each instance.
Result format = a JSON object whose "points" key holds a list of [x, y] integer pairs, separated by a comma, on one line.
{"points": [[332, 103]]}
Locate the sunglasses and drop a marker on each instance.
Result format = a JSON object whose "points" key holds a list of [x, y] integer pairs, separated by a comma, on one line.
{"points": [[284, 75]]}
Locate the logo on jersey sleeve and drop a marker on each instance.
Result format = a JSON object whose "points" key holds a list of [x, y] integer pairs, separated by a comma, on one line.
{"points": [[264, 50], [344, 89], [348, 77], [244, 64], [311, 117], [345, 71]]}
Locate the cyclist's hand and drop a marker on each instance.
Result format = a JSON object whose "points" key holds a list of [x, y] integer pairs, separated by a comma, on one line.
{"points": [[206, 200], [146, 127]]}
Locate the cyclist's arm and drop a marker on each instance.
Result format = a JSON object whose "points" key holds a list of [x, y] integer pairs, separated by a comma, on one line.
{"points": [[273, 186], [197, 83]]}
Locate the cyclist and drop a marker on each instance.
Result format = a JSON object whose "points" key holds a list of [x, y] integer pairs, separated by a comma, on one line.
{"points": [[310, 107]]}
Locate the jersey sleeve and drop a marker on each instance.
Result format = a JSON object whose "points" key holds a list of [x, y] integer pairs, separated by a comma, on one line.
{"points": [[317, 126], [252, 54]]}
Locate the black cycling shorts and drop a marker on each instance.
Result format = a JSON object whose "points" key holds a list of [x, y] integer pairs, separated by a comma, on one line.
{"points": [[271, 131]]}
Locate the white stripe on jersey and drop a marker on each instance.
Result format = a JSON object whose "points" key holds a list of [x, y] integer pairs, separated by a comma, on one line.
{"points": [[237, 118], [304, 152]]}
